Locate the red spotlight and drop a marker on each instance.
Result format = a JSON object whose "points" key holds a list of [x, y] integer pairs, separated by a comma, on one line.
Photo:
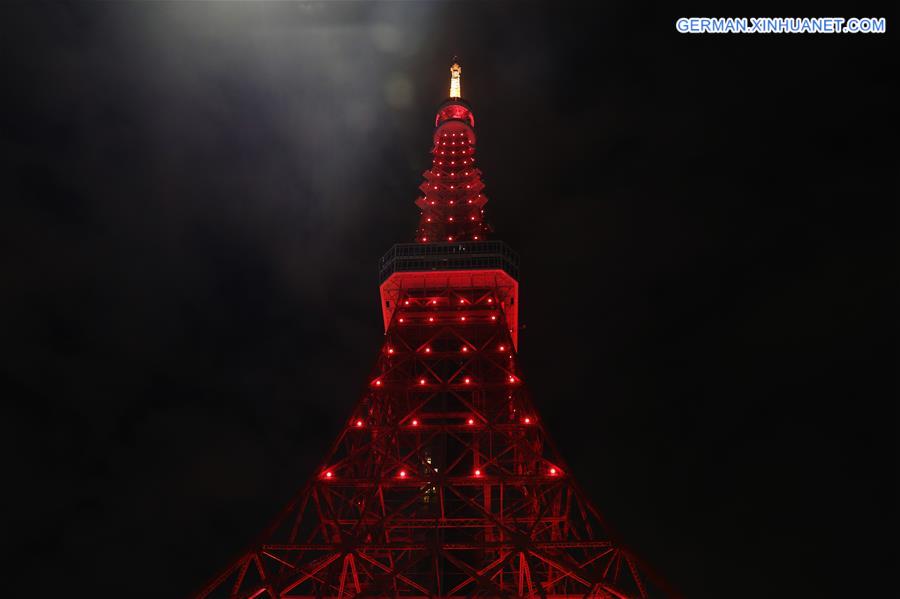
{"points": [[477, 472], [415, 422], [470, 421], [359, 423], [329, 474], [402, 474]]}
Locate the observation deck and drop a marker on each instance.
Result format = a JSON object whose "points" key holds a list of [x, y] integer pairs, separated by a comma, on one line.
{"points": [[452, 267], [450, 255]]}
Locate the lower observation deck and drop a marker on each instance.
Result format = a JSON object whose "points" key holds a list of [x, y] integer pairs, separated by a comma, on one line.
{"points": [[448, 268], [462, 255]]}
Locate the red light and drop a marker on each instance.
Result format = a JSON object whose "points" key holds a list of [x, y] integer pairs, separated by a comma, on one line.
{"points": [[493, 318], [451, 219], [476, 238], [427, 350], [470, 421], [490, 300], [553, 471], [421, 381], [329, 474], [377, 383], [462, 301], [464, 348], [431, 319], [467, 380], [502, 348], [390, 350], [512, 379], [527, 420], [402, 474], [462, 317], [415, 423], [401, 320], [477, 472], [434, 302], [359, 423]]}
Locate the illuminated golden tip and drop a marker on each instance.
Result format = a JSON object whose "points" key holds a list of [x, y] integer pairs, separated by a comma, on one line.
{"points": [[455, 72]]}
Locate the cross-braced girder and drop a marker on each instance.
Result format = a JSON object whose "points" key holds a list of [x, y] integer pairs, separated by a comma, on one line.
{"points": [[443, 483]]}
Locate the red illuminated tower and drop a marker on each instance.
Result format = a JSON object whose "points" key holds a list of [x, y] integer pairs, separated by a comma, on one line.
{"points": [[444, 482]]}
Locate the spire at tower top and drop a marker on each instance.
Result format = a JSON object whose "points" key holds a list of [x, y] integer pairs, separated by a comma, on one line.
{"points": [[455, 72]]}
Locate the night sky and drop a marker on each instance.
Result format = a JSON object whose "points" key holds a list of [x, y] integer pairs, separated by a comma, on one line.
{"points": [[195, 197]]}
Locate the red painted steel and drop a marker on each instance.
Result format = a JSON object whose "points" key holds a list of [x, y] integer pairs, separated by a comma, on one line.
{"points": [[444, 482]]}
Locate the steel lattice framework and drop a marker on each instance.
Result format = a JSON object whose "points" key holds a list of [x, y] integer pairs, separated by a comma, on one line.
{"points": [[444, 482]]}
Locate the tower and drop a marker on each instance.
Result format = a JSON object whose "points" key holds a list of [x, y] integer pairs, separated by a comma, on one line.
{"points": [[443, 481]]}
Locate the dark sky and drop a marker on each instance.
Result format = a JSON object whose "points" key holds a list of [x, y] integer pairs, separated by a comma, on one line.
{"points": [[195, 196]]}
